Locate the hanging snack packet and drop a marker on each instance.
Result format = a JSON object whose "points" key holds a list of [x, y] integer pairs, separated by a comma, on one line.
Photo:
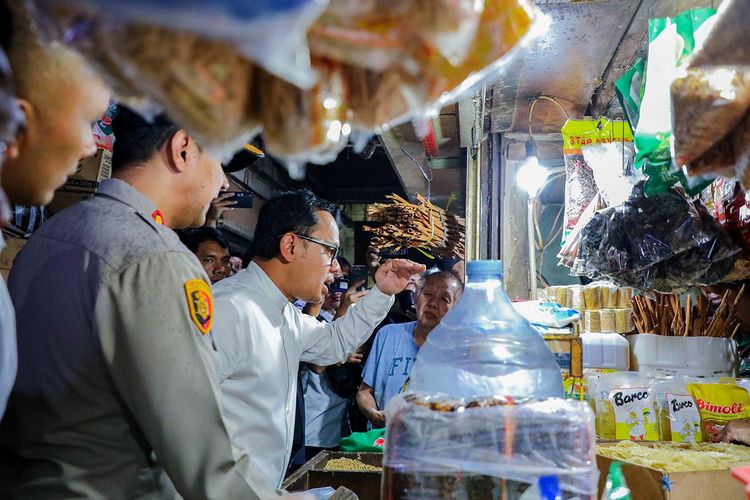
{"points": [[719, 404], [580, 186], [610, 157]]}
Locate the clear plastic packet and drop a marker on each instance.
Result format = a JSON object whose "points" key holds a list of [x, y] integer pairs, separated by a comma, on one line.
{"points": [[731, 206], [504, 29], [442, 448], [610, 157], [569, 253], [679, 418], [661, 243], [205, 85], [269, 32], [304, 125], [376, 98], [580, 185], [726, 43], [366, 34], [376, 34], [706, 105]]}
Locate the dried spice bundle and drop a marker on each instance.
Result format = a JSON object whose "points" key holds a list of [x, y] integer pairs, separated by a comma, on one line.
{"points": [[664, 315], [422, 225]]}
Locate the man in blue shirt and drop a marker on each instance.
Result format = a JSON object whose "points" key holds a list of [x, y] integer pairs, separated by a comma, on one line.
{"points": [[396, 346]]}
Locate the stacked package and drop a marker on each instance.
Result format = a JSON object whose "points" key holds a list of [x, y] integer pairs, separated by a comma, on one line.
{"points": [[605, 308]]}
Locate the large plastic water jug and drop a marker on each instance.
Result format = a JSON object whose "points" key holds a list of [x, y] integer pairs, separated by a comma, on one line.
{"points": [[483, 347]]}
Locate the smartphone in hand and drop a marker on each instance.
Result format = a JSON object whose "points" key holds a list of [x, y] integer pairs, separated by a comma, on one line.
{"points": [[358, 273], [242, 199]]}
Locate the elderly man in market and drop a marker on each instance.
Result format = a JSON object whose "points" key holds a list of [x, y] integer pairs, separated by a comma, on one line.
{"points": [[114, 318], [45, 128], [262, 336], [396, 345]]}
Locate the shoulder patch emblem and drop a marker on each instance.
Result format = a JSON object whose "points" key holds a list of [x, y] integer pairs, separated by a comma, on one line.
{"points": [[200, 304]]}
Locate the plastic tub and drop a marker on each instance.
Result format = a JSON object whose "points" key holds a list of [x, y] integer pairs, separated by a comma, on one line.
{"points": [[692, 356]]}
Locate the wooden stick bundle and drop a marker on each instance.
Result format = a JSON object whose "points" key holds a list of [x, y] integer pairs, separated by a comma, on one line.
{"points": [[422, 225], [664, 315]]}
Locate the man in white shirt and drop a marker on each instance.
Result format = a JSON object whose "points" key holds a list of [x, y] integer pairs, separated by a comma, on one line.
{"points": [[261, 337]]}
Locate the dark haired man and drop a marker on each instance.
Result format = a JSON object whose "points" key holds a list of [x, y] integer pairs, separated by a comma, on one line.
{"points": [[114, 319], [262, 336], [212, 250]]}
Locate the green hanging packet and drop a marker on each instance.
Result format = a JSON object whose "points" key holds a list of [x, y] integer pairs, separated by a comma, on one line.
{"points": [[671, 43], [629, 89]]}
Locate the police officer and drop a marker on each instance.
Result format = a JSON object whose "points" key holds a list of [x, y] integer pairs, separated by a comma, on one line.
{"points": [[114, 322]]}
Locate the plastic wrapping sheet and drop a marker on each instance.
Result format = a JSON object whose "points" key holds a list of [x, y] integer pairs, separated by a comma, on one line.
{"points": [[661, 243], [441, 448], [269, 32]]}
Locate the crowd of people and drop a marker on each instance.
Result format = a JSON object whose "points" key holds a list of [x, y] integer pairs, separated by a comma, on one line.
{"points": [[138, 358]]}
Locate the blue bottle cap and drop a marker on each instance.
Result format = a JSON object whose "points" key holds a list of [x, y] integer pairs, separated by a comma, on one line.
{"points": [[484, 269], [549, 488]]}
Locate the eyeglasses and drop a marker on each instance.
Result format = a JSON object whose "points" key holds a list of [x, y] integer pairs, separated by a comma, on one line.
{"points": [[333, 249]]}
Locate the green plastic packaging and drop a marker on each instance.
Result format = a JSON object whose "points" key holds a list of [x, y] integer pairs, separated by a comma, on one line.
{"points": [[629, 89], [672, 41]]}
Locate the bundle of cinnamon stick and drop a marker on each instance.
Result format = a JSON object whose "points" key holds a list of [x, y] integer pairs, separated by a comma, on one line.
{"points": [[664, 315], [422, 225]]}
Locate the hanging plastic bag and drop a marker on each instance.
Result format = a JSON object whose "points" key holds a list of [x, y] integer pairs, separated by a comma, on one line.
{"points": [[305, 125], [203, 84], [662, 243], [569, 253], [580, 186], [706, 105], [610, 157], [671, 42], [629, 90], [722, 46], [269, 32]]}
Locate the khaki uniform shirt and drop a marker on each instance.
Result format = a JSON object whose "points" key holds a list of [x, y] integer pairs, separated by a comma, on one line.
{"points": [[114, 364]]}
